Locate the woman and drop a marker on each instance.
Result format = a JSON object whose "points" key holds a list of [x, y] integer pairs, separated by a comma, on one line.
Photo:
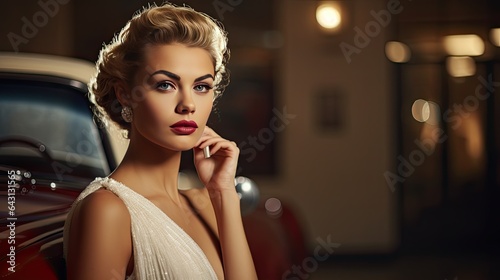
{"points": [[158, 80]]}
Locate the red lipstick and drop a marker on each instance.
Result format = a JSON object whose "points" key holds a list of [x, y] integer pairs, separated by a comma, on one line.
{"points": [[184, 127]]}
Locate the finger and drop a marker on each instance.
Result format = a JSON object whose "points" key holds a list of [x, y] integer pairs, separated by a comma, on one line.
{"points": [[225, 146], [204, 147], [210, 141], [202, 143], [207, 133]]}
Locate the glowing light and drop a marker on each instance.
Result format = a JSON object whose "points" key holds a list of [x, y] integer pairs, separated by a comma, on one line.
{"points": [[426, 111], [328, 16], [420, 110], [460, 66], [246, 187], [273, 207], [434, 113], [464, 45], [249, 194], [397, 52], [495, 36]]}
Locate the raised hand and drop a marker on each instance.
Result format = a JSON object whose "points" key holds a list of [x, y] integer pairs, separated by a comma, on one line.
{"points": [[218, 171]]}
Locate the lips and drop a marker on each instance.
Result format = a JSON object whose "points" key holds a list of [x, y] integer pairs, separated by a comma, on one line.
{"points": [[184, 127]]}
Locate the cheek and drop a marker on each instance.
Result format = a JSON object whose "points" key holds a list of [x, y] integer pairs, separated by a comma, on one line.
{"points": [[204, 106], [152, 111]]}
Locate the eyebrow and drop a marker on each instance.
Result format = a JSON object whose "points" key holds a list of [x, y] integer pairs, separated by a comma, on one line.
{"points": [[176, 77], [166, 73], [204, 77]]}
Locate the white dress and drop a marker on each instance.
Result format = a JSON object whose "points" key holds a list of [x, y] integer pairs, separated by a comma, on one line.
{"points": [[162, 250]]}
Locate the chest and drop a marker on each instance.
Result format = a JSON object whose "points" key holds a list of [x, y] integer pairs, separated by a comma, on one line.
{"points": [[198, 228]]}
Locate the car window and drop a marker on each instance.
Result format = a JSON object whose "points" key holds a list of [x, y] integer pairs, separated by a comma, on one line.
{"points": [[57, 116]]}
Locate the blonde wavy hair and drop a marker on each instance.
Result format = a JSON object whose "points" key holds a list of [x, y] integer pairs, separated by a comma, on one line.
{"points": [[155, 25]]}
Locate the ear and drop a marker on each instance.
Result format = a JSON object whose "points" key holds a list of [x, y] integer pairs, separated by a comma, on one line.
{"points": [[122, 93]]}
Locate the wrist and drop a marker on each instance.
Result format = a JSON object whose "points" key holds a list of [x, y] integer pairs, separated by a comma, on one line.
{"points": [[223, 195], [226, 187], [217, 194]]}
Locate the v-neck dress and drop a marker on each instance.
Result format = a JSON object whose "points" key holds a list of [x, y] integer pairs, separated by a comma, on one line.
{"points": [[162, 249]]}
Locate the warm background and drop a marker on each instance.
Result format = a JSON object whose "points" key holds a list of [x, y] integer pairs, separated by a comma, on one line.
{"points": [[352, 122]]}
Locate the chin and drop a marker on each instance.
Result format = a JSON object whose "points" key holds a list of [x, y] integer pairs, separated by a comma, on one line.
{"points": [[179, 146], [171, 142]]}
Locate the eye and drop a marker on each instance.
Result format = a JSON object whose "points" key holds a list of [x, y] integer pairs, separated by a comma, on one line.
{"points": [[202, 88], [164, 86]]}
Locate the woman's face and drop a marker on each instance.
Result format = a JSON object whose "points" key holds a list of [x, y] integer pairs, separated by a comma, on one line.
{"points": [[172, 96]]}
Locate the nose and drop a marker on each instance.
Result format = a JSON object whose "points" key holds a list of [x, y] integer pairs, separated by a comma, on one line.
{"points": [[186, 104]]}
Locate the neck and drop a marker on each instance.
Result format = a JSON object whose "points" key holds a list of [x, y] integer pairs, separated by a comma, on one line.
{"points": [[150, 169]]}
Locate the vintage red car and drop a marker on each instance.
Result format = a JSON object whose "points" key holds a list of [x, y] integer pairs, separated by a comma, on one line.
{"points": [[51, 147]]}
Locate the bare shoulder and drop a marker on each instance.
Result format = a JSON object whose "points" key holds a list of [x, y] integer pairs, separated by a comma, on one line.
{"points": [[102, 211], [105, 204], [102, 208], [99, 237]]}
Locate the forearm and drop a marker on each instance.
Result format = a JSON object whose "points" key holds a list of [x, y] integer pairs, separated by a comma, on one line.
{"points": [[238, 263]]}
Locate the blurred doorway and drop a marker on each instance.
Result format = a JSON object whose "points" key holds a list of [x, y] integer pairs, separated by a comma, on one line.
{"points": [[448, 107]]}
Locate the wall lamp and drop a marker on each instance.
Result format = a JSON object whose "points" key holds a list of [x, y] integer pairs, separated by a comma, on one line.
{"points": [[329, 16], [464, 45]]}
